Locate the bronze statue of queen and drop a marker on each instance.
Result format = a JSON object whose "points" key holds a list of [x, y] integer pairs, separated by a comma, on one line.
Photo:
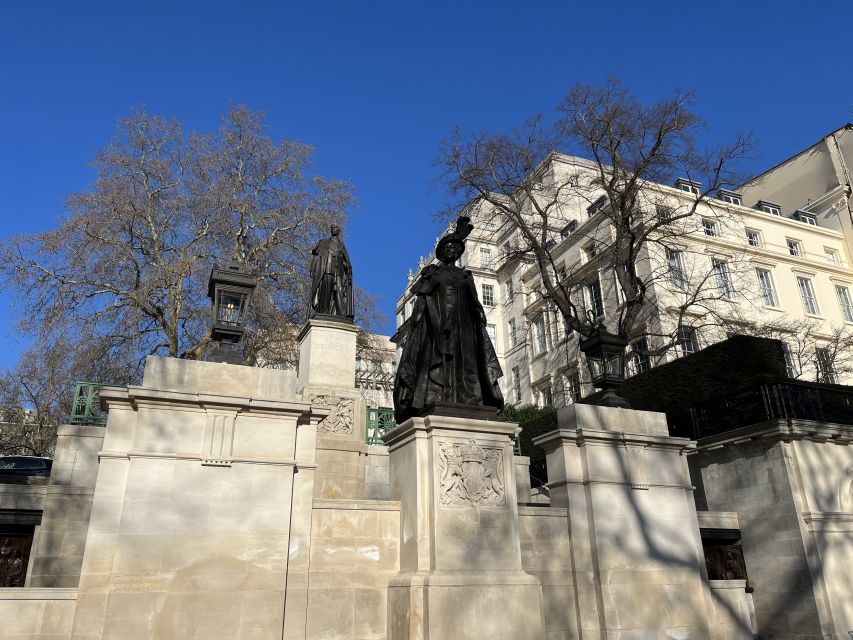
{"points": [[448, 360]]}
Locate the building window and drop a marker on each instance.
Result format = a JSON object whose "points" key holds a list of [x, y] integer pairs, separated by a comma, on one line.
{"points": [[831, 256], [790, 369], [844, 302], [807, 295], [689, 340], [730, 196], [753, 238], [546, 398], [485, 257], [596, 206], [808, 218], [572, 387], [664, 213], [590, 251], [676, 268], [566, 231], [488, 295], [489, 225], [795, 248], [769, 207], [513, 336], [539, 342], [594, 301], [722, 277], [825, 366], [690, 186], [493, 336], [516, 384], [710, 227], [509, 289], [765, 284], [641, 356]]}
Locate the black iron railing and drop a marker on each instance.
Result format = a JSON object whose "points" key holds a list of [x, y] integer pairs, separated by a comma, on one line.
{"points": [[774, 401]]}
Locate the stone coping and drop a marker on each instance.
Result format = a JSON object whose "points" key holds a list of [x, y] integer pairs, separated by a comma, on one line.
{"points": [[785, 430], [614, 419], [408, 429], [718, 585], [29, 593], [546, 511], [326, 324], [582, 436], [80, 431], [718, 520], [358, 505], [136, 396]]}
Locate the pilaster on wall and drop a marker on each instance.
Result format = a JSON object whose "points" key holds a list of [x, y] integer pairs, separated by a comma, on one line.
{"points": [[635, 544]]}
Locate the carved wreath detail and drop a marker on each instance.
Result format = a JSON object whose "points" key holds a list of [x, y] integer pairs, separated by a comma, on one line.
{"points": [[340, 420], [470, 475]]}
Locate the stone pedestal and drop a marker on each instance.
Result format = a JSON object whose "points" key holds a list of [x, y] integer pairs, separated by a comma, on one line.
{"points": [[326, 356], [636, 550], [460, 560], [326, 379]]}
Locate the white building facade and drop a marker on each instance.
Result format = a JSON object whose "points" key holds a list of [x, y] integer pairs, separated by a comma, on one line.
{"points": [[740, 264]]}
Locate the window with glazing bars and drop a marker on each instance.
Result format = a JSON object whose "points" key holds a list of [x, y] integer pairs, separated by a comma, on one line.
{"points": [[844, 302], [513, 336], [722, 277], [676, 268], [485, 257], [488, 295], [753, 238], [539, 329], [807, 295], [765, 284], [573, 387], [516, 384], [689, 340], [641, 356], [594, 301], [790, 369], [710, 227], [825, 366]]}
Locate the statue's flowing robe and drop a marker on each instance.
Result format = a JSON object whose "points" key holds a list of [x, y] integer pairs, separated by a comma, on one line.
{"points": [[448, 356], [331, 279]]}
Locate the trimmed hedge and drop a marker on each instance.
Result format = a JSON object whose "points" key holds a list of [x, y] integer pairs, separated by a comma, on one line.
{"points": [[717, 371], [534, 421]]}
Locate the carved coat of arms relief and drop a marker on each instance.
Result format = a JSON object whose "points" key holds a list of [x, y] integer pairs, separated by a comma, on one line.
{"points": [[470, 475], [341, 419]]}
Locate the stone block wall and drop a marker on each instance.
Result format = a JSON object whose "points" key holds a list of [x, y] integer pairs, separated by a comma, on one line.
{"points": [[58, 553], [545, 553], [36, 614], [355, 550], [791, 485]]}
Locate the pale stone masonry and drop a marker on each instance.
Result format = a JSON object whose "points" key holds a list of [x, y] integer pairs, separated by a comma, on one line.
{"points": [[230, 502]]}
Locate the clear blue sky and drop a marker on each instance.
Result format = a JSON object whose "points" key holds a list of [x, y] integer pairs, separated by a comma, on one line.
{"points": [[375, 86]]}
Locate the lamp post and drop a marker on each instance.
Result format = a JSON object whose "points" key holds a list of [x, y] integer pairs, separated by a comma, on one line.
{"points": [[605, 357], [230, 291]]}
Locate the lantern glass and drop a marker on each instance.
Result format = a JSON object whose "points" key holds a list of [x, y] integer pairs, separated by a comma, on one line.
{"points": [[230, 308]]}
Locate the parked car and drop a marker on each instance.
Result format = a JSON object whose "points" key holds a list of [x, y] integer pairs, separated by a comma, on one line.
{"points": [[25, 466]]}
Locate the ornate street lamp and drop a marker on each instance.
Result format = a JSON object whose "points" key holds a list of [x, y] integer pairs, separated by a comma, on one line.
{"points": [[230, 291], [605, 357]]}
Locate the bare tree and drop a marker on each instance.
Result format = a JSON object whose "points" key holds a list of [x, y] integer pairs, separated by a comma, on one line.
{"points": [[129, 263], [633, 148]]}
